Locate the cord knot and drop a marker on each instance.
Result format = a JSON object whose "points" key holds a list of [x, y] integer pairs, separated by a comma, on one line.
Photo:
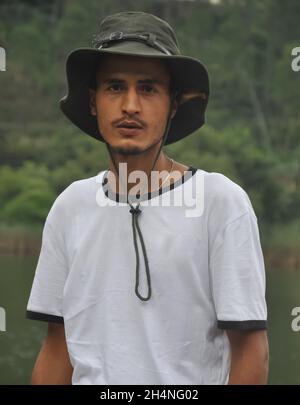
{"points": [[135, 210]]}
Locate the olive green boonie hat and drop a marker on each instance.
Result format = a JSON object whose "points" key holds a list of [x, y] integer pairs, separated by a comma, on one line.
{"points": [[145, 35]]}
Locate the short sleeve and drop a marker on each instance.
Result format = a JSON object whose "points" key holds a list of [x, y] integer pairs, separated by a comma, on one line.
{"points": [[238, 275], [46, 297]]}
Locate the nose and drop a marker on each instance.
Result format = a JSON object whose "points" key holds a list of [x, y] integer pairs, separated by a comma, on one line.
{"points": [[131, 102]]}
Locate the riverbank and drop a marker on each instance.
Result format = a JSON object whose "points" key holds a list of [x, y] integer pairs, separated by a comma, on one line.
{"points": [[20, 240], [280, 243]]}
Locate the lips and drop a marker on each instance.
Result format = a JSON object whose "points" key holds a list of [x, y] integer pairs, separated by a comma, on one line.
{"points": [[130, 124], [129, 131], [129, 128]]}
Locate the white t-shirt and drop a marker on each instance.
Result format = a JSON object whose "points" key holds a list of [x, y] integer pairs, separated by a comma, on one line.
{"points": [[207, 275]]}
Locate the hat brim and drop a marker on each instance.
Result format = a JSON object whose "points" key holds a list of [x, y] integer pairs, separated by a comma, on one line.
{"points": [[190, 75]]}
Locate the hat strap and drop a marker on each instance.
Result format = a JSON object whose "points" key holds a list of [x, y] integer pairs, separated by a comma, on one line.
{"points": [[149, 39], [136, 211]]}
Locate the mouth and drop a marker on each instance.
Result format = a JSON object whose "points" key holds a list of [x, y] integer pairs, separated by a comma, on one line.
{"points": [[129, 128]]}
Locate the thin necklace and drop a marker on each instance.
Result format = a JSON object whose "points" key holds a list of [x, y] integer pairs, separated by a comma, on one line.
{"points": [[164, 181], [170, 171]]}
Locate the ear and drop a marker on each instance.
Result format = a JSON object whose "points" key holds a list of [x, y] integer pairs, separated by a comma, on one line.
{"points": [[92, 94]]}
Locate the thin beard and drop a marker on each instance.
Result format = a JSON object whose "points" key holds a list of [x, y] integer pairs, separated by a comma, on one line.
{"points": [[134, 151]]}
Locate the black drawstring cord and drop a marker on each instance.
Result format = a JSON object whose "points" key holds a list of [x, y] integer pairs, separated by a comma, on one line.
{"points": [[136, 211]]}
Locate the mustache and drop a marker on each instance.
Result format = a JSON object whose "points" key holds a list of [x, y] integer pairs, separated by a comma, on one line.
{"points": [[136, 120]]}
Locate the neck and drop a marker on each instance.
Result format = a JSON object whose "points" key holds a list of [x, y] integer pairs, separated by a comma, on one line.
{"points": [[128, 164]]}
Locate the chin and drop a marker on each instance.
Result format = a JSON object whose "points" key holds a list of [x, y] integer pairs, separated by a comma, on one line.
{"points": [[128, 151], [132, 147], [129, 147]]}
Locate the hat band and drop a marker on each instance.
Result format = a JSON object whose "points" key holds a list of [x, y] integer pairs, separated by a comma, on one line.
{"points": [[148, 39]]}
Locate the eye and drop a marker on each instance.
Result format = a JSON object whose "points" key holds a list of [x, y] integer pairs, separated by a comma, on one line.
{"points": [[115, 87], [148, 88]]}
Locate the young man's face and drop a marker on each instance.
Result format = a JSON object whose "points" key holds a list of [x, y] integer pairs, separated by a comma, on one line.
{"points": [[132, 89]]}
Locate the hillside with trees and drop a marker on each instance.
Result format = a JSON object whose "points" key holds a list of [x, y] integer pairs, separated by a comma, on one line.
{"points": [[253, 123]]}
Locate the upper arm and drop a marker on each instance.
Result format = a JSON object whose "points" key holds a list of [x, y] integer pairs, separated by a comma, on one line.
{"points": [[56, 336], [238, 276], [249, 356], [255, 340], [46, 296], [249, 344], [56, 343]]}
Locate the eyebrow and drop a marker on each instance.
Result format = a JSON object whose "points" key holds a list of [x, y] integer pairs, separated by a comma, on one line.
{"points": [[141, 81]]}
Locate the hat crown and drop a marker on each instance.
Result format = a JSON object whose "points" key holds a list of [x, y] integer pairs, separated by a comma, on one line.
{"points": [[126, 25]]}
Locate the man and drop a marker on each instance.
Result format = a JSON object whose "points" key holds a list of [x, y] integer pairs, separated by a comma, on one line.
{"points": [[136, 289]]}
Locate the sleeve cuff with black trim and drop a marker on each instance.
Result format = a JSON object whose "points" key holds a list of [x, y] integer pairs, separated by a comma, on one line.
{"points": [[243, 325], [38, 316]]}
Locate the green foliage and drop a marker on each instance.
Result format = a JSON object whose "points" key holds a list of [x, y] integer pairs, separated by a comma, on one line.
{"points": [[25, 194], [30, 207], [253, 124]]}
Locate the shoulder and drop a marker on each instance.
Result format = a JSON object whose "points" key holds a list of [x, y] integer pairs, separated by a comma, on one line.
{"points": [[220, 187], [224, 199], [78, 195]]}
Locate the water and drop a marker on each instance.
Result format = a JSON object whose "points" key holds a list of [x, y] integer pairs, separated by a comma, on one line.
{"points": [[20, 344], [283, 294]]}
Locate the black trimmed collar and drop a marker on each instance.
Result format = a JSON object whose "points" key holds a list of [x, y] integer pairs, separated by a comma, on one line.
{"points": [[147, 196]]}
